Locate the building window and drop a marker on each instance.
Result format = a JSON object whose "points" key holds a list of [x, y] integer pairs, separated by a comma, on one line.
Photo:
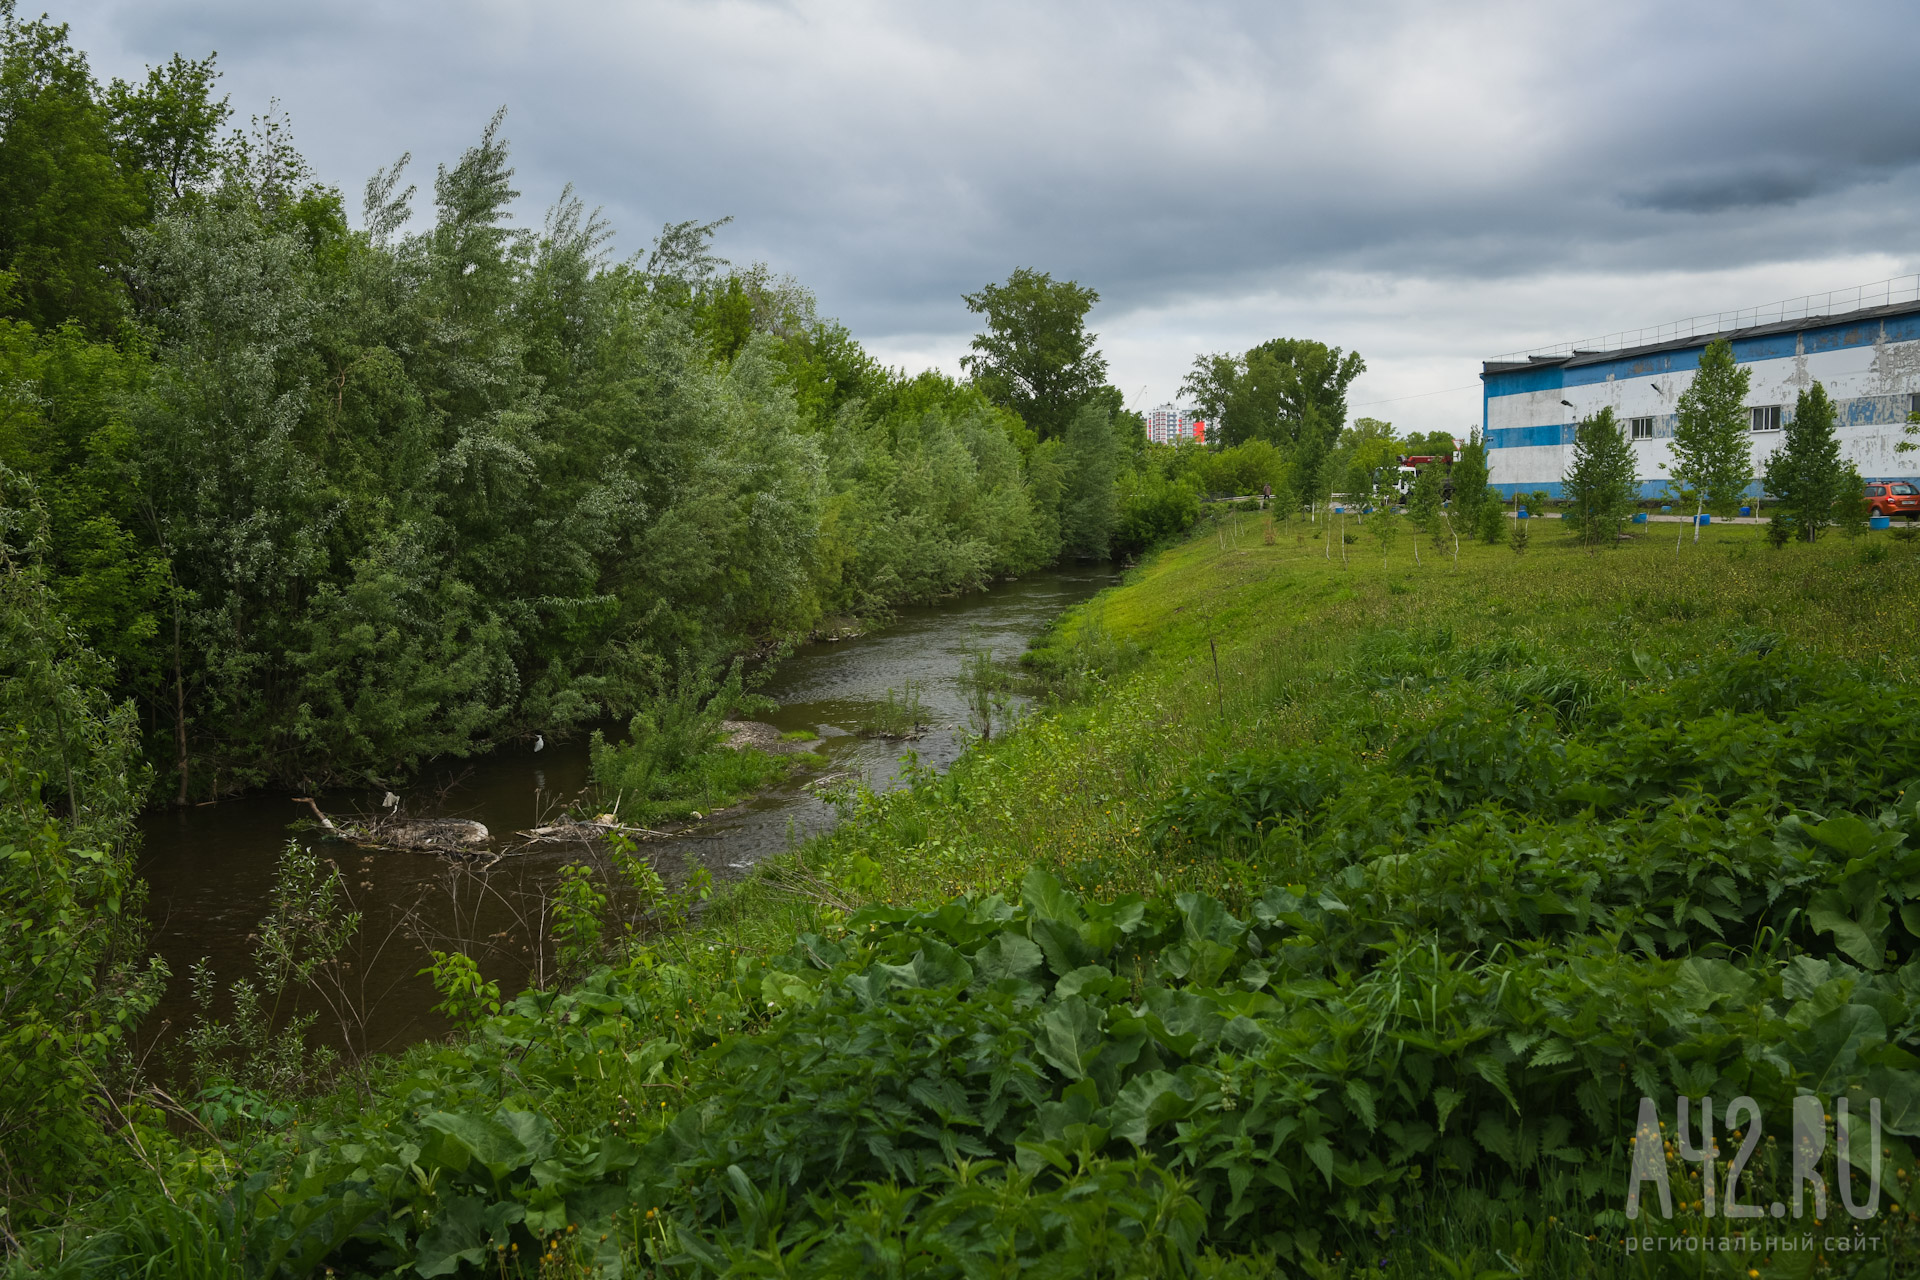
{"points": [[1766, 417], [1640, 428], [1913, 404]]}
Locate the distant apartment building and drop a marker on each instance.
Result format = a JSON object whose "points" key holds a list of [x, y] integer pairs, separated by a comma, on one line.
{"points": [[1863, 345], [1169, 423]]}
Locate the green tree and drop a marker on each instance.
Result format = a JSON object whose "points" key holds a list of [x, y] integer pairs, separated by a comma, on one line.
{"points": [[1491, 521], [1036, 357], [1087, 507], [1712, 454], [1600, 483], [1430, 442], [1851, 510], [1290, 391], [168, 128], [1213, 383], [1469, 479], [64, 198], [73, 979], [1367, 450], [1386, 530], [1806, 474]]}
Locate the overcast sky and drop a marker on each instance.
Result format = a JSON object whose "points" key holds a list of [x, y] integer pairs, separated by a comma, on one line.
{"points": [[1429, 185]]}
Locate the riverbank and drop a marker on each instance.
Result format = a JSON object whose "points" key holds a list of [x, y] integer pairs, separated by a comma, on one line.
{"points": [[212, 870], [1291, 805]]}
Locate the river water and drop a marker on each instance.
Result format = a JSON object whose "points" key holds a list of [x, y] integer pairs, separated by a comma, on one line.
{"points": [[211, 870]]}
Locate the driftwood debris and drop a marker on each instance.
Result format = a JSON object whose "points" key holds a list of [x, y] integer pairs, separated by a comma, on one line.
{"points": [[591, 829], [459, 836]]}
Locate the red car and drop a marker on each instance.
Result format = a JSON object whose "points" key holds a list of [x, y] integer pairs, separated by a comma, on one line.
{"points": [[1894, 498]]}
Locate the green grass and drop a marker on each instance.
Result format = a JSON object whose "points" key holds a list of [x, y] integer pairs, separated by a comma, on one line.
{"points": [[1077, 783]]}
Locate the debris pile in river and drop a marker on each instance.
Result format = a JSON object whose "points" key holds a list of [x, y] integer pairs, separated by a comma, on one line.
{"points": [[458, 836], [760, 736], [587, 830]]}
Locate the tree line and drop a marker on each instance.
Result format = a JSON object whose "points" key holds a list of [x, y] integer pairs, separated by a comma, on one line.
{"points": [[327, 500]]}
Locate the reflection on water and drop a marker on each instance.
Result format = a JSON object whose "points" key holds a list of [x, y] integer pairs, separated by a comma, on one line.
{"points": [[211, 869]]}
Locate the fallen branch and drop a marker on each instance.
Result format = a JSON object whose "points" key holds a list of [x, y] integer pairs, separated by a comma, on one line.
{"points": [[597, 829]]}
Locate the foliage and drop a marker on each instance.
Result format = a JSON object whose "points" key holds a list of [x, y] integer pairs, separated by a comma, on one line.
{"points": [[465, 997], [1600, 485], [74, 982], [1153, 511], [578, 905], [1088, 503], [335, 502], [1491, 523], [1469, 476], [1367, 450], [674, 762], [1036, 357], [1291, 392], [1851, 510], [902, 715], [1459, 963], [1239, 469], [1518, 534], [1385, 527], [1805, 475], [64, 198], [1712, 455]]}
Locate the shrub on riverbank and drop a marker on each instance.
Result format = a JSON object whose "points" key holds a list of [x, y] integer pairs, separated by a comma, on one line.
{"points": [[674, 762]]}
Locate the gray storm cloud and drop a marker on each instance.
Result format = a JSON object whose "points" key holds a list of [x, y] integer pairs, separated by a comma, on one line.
{"points": [[1173, 156]]}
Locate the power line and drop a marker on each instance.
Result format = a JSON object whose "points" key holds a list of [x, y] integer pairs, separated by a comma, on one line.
{"points": [[1415, 396]]}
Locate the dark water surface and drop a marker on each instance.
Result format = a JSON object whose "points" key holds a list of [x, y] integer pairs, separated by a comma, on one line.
{"points": [[211, 869]]}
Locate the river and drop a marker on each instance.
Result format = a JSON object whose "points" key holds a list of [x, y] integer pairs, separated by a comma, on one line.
{"points": [[211, 869]]}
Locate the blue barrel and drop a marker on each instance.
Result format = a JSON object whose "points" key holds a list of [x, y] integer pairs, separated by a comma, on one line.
{"points": [[1639, 517], [1880, 522], [1521, 514], [1746, 511], [1704, 518], [1339, 510]]}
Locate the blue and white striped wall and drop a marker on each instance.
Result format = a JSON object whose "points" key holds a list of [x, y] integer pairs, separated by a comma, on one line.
{"points": [[1870, 368]]}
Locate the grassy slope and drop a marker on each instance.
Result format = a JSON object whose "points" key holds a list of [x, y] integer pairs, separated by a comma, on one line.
{"points": [[1075, 784]]}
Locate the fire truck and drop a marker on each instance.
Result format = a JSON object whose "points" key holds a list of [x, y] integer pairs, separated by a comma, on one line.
{"points": [[1409, 467]]}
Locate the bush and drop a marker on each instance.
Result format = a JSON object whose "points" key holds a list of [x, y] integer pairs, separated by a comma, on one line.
{"points": [[1153, 511], [673, 762], [1493, 523]]}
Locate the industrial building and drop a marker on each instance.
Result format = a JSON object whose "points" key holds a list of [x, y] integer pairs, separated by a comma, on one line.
{"points": [[1863, 345]]}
